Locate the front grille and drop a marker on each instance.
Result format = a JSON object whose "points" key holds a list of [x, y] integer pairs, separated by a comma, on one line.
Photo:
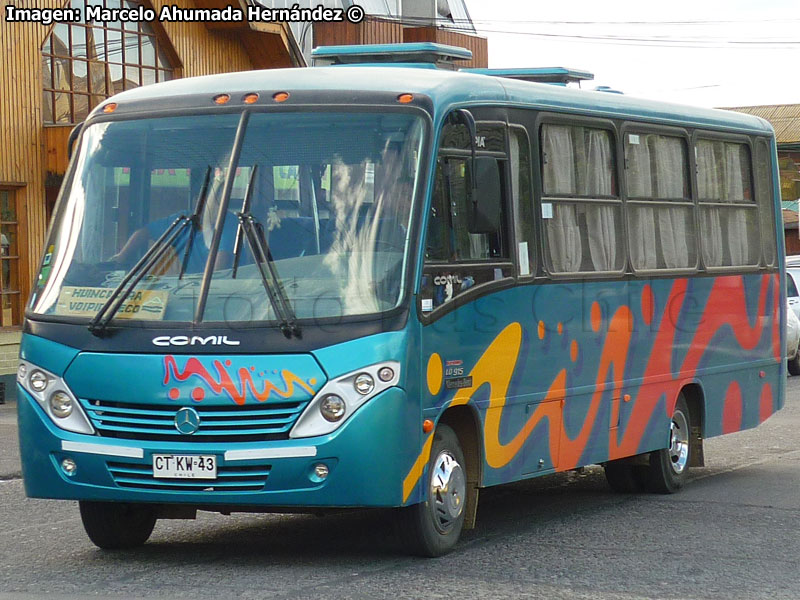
{"points": [[229, 479], [122, 420]]}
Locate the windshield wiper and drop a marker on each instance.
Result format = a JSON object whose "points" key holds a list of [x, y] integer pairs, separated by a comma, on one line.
{"points": [[198, 210], [254, 235], [237, 246], [100, 321]]}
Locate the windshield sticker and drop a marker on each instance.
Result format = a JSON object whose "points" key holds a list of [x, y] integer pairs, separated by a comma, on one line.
{"points": [[44, 274], [146, 305]]}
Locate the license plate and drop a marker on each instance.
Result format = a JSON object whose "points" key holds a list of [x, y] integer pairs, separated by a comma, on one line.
{"points": [[179, 466]]}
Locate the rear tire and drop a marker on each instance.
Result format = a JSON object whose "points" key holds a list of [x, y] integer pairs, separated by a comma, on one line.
{"points": [[794, 364], [117, 526], [432, 528], [669, 468]]}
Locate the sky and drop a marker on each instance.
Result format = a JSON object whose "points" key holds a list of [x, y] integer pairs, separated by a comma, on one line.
{"points": [[700, 52]]}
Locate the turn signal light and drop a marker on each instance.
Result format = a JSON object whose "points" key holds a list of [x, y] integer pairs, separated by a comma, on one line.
{"points": [[110, 107], [405, 98]]}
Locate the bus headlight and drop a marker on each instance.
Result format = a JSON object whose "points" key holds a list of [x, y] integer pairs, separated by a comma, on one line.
{"points": [[364, 384], [341, 397], [54, 397], [38, 381], [61, 404], [332, 408]]}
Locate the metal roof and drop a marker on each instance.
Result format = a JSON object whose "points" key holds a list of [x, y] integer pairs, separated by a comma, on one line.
{"points": [[446, 89], [784, 118]]}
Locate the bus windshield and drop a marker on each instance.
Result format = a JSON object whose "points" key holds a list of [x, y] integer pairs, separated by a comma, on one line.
{"points": [[325, 198]]}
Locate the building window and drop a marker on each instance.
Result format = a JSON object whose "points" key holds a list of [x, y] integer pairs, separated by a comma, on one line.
{"points": [[83, 64], [9, 261]]}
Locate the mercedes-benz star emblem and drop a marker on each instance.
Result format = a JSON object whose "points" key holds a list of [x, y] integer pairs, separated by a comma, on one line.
{"points": [[187, 421]]}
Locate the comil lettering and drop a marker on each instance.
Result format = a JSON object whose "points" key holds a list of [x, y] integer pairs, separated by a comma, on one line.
{"points": [[445, 279], [195, 340]]}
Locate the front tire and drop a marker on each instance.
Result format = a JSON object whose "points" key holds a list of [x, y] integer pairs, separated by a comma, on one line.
{"points": [[117, 526], [432, 528], [669, 468]]}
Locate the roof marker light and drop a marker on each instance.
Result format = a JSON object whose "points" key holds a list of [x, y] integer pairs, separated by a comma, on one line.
{"points": [[280, 96], [110, 107], [221, 98], [250, 98], [405, 98]]}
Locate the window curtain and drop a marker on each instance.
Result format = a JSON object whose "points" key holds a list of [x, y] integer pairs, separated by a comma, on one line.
{"points": [[669, 181], [709, 187], [563, 233], [597, 182], [737, 217], [643, 221]]}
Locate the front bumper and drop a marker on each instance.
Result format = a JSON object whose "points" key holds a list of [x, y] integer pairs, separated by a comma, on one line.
{"points": [[368, 458]]}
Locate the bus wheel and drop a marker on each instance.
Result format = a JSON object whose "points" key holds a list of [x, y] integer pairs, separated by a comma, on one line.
{"points": [[794, 364], [625, 478], [432, 528], [117, 526], [669, 467]]}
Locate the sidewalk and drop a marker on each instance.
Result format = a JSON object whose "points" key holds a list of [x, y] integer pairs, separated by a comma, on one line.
{"points": [[9, 446]]}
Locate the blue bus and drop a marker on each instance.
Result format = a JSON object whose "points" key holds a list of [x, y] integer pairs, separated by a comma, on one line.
{"points": [[392, 285]]}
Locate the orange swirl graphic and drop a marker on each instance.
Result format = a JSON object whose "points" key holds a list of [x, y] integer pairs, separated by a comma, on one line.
{"points": [[225, 383]]}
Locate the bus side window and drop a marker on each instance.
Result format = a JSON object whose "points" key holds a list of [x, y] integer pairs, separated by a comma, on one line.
{"points": [[764, 192], [522, 195], [660, 207], [457, 257], [728, 211], [581, 208]]}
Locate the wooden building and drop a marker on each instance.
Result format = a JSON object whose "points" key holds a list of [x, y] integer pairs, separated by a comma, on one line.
{"points": [[378, 30], [52, 76]]}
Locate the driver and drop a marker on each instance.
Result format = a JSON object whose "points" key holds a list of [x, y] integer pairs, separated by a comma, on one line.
{"points": [[139, 241]]}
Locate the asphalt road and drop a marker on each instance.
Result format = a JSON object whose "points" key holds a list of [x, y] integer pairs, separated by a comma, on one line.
{"points": [[731, 533]]}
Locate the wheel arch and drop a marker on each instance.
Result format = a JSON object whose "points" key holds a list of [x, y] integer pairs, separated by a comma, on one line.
{"points": [[464, 421], [695, 400]]}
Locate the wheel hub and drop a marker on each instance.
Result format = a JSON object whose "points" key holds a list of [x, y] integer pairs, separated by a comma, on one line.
{"points": [[448, 491], [679, 442]]}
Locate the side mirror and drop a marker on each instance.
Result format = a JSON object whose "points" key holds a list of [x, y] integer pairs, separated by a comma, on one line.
{"points": [[485, 214]]}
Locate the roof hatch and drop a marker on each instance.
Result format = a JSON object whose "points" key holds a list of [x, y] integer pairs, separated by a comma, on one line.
{"points": [[554, 75]]}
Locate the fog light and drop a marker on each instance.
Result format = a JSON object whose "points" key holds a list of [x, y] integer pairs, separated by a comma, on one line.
{"points": [[386, 374], [38, 381], [364, 384], [321, 471], [332, 408], [61, 405], [68, 466], [22, 370]]}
